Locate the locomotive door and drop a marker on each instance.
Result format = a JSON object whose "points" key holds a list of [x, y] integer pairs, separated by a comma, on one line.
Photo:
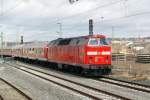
{"points": [[76, 54], [46, 52]]}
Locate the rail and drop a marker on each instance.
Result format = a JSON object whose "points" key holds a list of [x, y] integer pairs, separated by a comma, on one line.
{"points": [[17, 89], [130, 85], [76, 90]]}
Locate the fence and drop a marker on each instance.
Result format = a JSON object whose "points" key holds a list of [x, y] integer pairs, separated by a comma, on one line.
{"points": [[122, 57], [143, 58], [118, 57]]}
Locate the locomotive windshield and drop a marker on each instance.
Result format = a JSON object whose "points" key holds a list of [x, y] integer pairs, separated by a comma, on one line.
{"points": [[103, 41], [97, 41]]}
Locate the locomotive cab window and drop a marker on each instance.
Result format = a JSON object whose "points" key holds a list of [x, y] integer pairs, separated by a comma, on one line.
{"points": [[103, 41], [97, 41], [93, 41]]}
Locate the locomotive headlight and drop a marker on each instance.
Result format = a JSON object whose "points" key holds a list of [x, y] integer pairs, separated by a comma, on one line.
{"points": [[96, 59], [106, 53], [90, 60]]}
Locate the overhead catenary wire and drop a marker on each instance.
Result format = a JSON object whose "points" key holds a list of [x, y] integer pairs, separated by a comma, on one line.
{"points": [[4, 12], [91, 10], [118, 18], [81, 13], [128, 16]]}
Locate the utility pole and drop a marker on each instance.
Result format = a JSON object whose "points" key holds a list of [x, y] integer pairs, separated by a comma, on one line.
{"points": [[112, 29], [60, 29], [90, 27], [21, 40]]}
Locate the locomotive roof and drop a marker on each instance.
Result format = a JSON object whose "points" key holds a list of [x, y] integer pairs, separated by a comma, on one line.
{"points": [[80, 40], [87, 36]]}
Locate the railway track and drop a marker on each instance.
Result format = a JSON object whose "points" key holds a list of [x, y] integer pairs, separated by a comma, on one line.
{"points": [[89, 91], [133, 83], [126, 84], [16, 89]]}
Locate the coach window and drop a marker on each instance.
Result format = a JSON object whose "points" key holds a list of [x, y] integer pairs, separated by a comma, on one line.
{"points": [[40, 51], [36, 50]]}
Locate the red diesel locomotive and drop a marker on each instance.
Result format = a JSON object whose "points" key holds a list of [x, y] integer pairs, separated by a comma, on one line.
{"points": [[86, 54], [89, 55]]}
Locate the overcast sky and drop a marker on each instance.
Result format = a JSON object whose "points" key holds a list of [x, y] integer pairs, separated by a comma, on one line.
{"points": [[38, 19]]}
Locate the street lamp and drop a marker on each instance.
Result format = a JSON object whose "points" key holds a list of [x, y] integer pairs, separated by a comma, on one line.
{"points": [[112, 28], [60, 29], [101, 19]]}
